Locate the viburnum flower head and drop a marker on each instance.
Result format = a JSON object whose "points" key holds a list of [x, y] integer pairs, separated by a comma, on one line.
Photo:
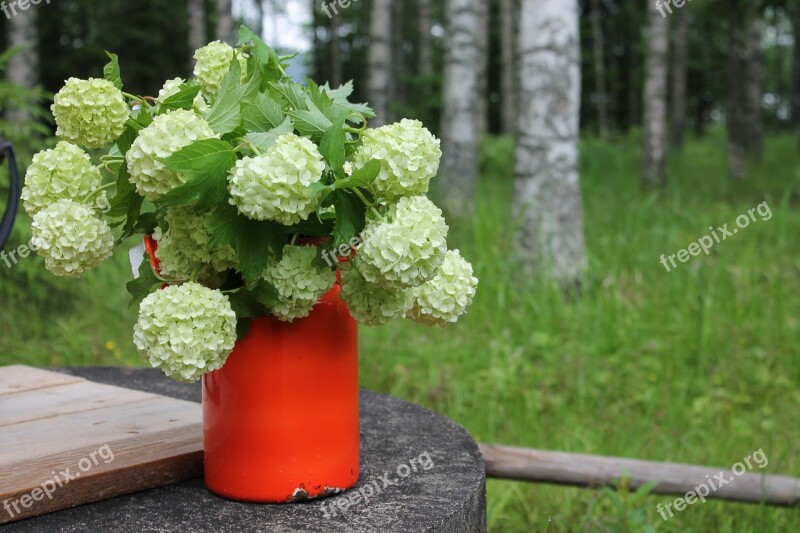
{"points": [[370, 304], [65, 172], [90, 112], [443, 299], [173, 87], [213, 62], [406, 249], [167, 134], [409, 156], [183, 246], [185, 330], [300, 283], [277, 184], [71, 238]]}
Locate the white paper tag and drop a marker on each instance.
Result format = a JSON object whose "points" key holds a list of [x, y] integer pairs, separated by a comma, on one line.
{"points": [[136, 256]]}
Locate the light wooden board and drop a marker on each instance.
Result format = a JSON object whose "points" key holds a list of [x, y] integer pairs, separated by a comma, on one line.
{"points": [[65, 441]]}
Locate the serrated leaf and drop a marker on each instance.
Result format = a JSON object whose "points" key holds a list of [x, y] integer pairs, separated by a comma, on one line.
{"points": [[146, 283], [264, 140], [262, 114], [266, 59], [225, 115], [293, 92], [206, 164], [125, 193], [311, 122], [253, 240], [350, 217], [363, 177], [111, 71], [332, 145], [342, 93], [183, 99]]}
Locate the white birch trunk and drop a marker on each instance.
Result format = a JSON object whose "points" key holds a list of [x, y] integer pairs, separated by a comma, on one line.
{"points": [[379, 58], [547, 197], [654, 132], [197, 27], [225, 30], [459, 173], [23, 68]]}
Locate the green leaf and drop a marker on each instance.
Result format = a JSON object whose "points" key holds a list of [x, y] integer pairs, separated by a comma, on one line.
{"points": [[264, 140], [125, 194], [225, 115], [146, 283], [350, 217], [332, 145], [363, 177], [253, 240], [293, 92], [184, 99], [262, 114], [206, 164], [342, 104], [311, 122], [266, 59], [111, 71]]}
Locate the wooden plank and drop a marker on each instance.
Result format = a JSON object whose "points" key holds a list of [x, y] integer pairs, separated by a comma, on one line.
{"points": [[524, 464], [61, 400], [19, 378], [69, 442]]}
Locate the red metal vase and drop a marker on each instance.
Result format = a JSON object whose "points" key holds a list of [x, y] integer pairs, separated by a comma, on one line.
{"points": [[281, 416]]}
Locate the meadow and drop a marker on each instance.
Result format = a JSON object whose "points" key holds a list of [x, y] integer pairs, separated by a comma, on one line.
{"points": [[698, 365]]}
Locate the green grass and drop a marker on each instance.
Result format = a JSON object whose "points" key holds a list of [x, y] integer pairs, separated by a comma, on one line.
{"points": [[697, 365]]}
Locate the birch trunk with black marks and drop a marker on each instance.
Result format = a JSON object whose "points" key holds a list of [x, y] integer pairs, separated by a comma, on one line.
{"points": [[459, 172], [379, 57], [736, 105], [483, 70], [547, 199], [335, 52], [508, 77], [679, 80], [225, 21], [654, 153], [755, 88], [23, 68], [197, 28], [424, 26]]}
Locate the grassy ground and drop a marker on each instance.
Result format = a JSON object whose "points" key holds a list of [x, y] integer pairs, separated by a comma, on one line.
{"points": [[697, 365]]}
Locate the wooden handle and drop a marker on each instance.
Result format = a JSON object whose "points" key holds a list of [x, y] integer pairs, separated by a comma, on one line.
{"points": [[524, 464]]}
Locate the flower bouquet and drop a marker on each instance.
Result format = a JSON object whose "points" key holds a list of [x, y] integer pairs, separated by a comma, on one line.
{"points": [[260, 197]]}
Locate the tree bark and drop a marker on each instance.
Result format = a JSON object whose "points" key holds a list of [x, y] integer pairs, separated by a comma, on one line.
{"points": [[335, 52], [459, 173], [379, 58], [736, 103], [601, 89], [755, 88], [482, 110], [634, 58], [794, 12], [547, 196], [508, 98], [197, 28], [397, 89], [424, 26], [23, 68], [679, 68], [225, 21], [655, 98]]}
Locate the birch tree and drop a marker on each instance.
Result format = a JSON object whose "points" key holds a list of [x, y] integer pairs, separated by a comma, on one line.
{"points": [[508, 89], [23, 68], [459, 172], [601, 83], [197, 27], [679, 69], [379, 57], [547, 197], [655, 98], [424, 25], [224, 20]]}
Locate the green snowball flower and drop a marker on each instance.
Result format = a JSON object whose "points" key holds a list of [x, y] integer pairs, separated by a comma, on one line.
{"points": [[90, 112], [167, 134], [71, 238], [65, 172], [443, 299], [372, 305], [406, 249], [277, 185], [300, 283], [213, 62], [409, 156], [173, 87], [185, 330], [183, 246]]}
